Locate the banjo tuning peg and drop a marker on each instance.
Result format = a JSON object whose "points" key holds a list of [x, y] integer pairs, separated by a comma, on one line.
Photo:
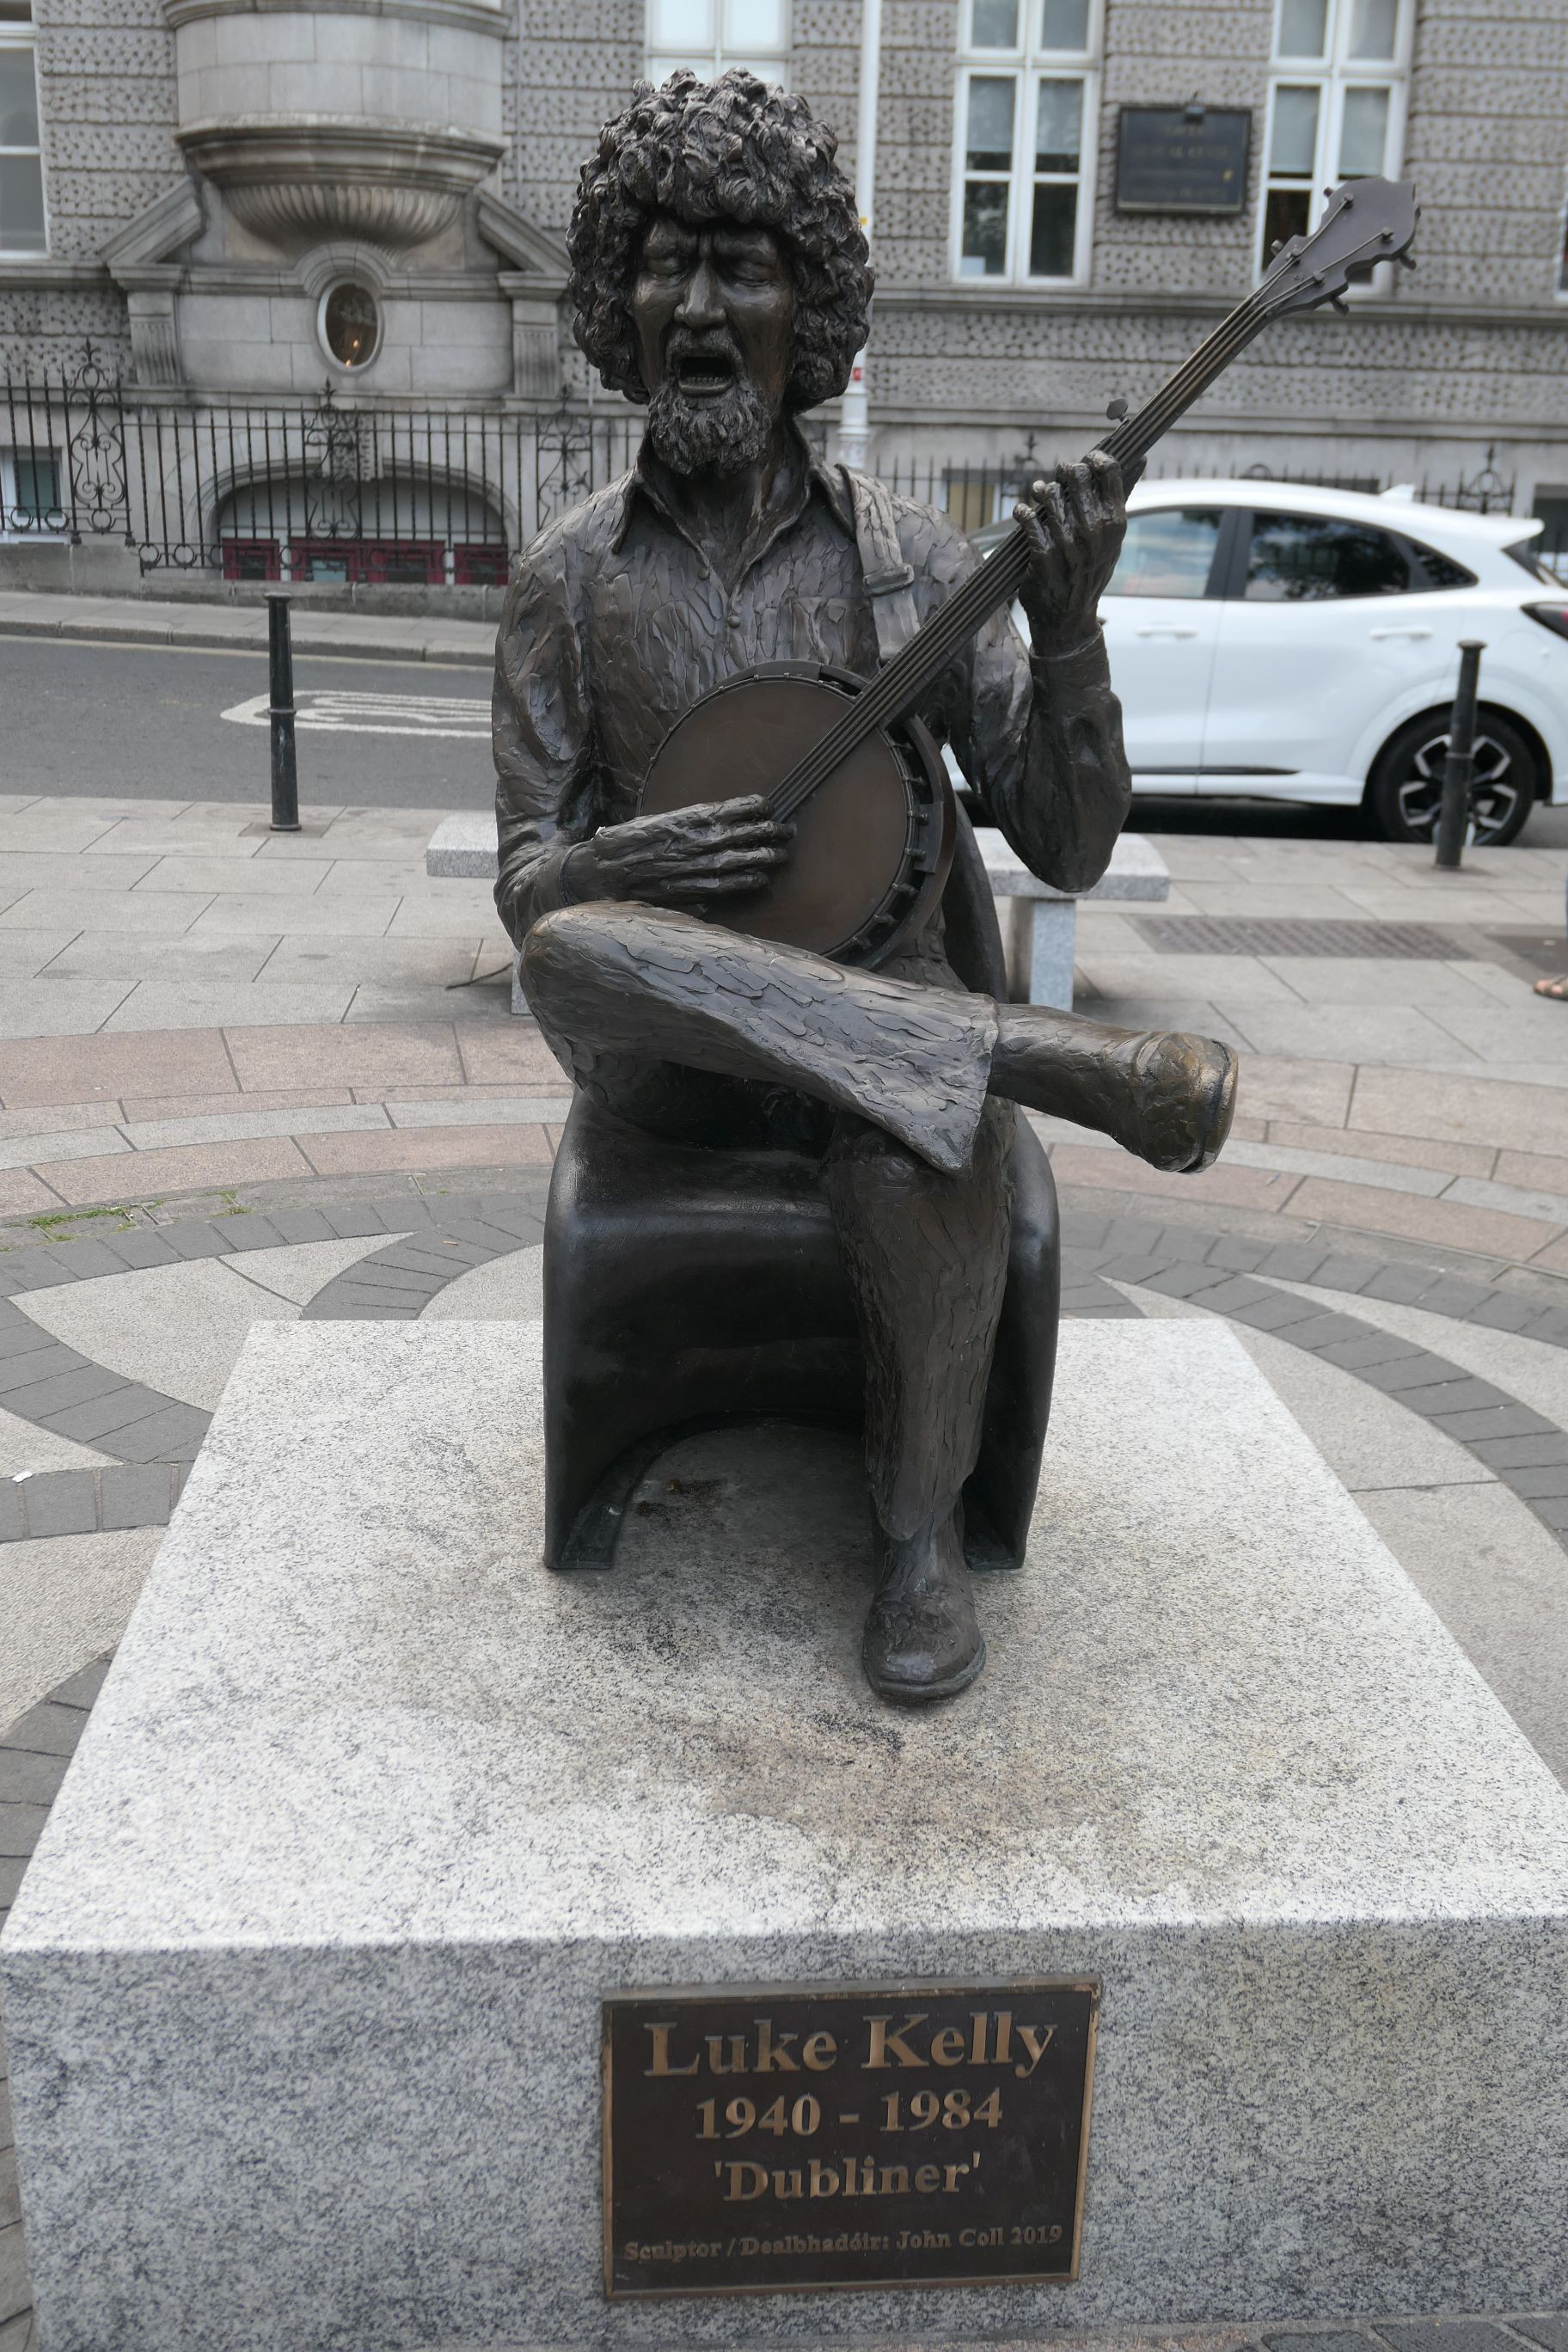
{"points": [[1116, 409]]}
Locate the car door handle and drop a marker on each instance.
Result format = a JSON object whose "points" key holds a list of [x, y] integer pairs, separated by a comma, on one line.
{"points": [[1378, 634], [1166, 632]]}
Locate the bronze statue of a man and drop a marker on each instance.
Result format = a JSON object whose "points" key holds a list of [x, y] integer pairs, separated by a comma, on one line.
{"points": [[720, 276]]}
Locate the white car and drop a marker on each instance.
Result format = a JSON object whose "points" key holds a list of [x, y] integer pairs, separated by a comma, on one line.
{"points": [[1290, 643]]}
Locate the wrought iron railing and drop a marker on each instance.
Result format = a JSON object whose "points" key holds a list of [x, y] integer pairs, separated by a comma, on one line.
{"points": [[323, 489], [360, 491]]}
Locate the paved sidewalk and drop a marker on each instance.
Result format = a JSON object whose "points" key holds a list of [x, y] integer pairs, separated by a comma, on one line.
{"points": [[143, 621], [188, 1000], [246, 1076]]}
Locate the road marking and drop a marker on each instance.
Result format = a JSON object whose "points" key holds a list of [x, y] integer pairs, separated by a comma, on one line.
{"points": [[331, 711]]}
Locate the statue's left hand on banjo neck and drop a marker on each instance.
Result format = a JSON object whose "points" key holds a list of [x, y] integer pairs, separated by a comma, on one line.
{"points": [[844, 759]]}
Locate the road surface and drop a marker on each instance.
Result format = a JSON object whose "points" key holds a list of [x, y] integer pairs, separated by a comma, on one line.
{"points": [[168, 722], [164, 722]]}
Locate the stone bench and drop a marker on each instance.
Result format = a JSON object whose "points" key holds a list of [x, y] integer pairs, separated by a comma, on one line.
{"points": [[463, 849], [1039, 924]]}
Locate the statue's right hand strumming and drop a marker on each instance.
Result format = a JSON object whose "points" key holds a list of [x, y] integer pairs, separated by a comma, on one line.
{"points": [[685, 857]]}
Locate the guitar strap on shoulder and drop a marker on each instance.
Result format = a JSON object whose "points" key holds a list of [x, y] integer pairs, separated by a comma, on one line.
{"points": [[889, 579]]}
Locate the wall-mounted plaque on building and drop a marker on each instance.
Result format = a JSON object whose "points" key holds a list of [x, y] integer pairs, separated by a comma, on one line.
{"points": [[844, 2135], [1182, 158]]}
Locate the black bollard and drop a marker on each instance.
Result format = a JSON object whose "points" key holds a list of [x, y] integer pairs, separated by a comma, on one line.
{"points": [[1459, 767], [281, 682]]}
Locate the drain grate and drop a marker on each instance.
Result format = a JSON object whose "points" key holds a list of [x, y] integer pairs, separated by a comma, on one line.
{"points": [[1544, 951], [1266, 935]]}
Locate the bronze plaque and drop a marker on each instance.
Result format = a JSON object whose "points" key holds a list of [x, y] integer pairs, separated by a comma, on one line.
{"points": [[844, 2135], [1182, 159]]}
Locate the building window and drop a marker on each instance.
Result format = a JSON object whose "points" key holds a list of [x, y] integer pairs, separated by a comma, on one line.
{"points": [[22, 224], [1336, 105], [349, 324], [711, 34], [1026, 108], [30, 494]]}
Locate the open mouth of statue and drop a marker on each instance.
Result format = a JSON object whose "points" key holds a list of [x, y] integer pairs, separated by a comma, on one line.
{"points": [[703, 375]]}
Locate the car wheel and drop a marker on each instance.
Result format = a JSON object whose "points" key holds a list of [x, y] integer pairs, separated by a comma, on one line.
{"points": [[1406, 793]]}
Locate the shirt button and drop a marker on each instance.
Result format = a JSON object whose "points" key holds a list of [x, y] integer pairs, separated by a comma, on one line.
{"points": [[733, 616]]}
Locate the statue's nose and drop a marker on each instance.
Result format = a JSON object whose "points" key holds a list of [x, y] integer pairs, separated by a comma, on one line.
{"points": [[701, 305]]}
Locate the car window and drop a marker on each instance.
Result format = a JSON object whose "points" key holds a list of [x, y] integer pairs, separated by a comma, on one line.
{"points": [[1299, 558], [1168, 551], [1441, 571], [1526, 554]]}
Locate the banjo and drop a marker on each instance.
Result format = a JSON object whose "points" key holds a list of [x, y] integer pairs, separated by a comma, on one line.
{"points": [[844, 758]]}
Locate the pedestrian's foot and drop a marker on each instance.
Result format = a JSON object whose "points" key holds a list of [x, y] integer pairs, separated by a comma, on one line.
{"points": [[1557, 989], [1166, 1095], [921, 1640]]}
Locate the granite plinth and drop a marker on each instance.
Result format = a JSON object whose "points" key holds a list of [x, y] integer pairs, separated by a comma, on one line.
{"points": [[302, 1988]]}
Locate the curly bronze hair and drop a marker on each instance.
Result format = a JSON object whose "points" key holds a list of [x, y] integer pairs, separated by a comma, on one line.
{"points": [[731, 150]]}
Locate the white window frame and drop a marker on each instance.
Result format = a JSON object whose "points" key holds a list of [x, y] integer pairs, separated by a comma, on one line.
{"points": [[28, 534], [770, 62], [1333, 76], [25, 36], [1027, 66]]}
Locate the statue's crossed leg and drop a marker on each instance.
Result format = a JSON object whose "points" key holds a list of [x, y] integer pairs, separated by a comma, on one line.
{"points": [[922, 1078]]}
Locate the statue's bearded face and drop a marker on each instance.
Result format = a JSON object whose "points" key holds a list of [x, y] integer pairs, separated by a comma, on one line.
{"points": [[713, 308]]}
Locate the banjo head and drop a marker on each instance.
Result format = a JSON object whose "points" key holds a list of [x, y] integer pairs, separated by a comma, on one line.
{"points": [[872, 847]]}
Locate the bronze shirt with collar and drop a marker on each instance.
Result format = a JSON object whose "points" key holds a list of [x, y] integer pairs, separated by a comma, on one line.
{"points": [[616, 622]]}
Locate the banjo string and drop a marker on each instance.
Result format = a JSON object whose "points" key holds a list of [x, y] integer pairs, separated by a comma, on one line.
{"points": [[889, 695]]}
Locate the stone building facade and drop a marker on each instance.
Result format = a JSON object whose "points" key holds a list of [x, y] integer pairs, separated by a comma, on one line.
{"points": [[242, 201]]}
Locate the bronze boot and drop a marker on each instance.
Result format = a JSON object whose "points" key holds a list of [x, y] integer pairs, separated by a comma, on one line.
{"points": [[1165, 1095], [922, 1639]]}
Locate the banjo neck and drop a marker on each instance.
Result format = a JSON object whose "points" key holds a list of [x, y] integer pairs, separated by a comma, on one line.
{"points": [[1308, 272]]}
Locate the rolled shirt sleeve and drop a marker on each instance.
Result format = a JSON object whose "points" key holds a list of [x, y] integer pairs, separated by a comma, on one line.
{"points": [[1038, 734], [543, 733]]}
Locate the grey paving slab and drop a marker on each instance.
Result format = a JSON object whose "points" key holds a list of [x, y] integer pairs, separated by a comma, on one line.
{"points": [[35, 1269], [140, 1247], [1498, 1421], [65, 1503], [13, 1511], [11, 1869], [197, 1238], [352, 1222], [1522, 1453], [1459, 1395], [1184, 1281], [15, 2293], [1270, 1310], [297, 1225], [1406, 1375], [135, 1494], [1551, 2333], [103, 1420], [172, 1435], [1371, 1347], [1327, 2340], [28, 1779], [21, 1827], [253, 1232], [41, 1398], [1440, 2335], [1538, 1484], [50, 1728], [81, 1688], [23, 1372], [1339, 1272]]}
